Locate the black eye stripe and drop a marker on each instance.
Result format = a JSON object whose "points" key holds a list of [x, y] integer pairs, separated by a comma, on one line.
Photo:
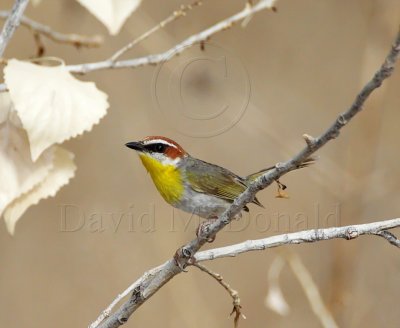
{"points": [[156, 147]]}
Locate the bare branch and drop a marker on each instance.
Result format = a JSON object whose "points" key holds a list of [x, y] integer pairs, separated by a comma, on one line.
{"points": [[182, 11], [307, 236], [187, 254], [74, 39], [170, 53], [237, 308], [177, 49], [12, 23]]}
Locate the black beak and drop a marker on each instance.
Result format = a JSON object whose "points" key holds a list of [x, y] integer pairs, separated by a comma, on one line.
{"points": [[135, 145]]}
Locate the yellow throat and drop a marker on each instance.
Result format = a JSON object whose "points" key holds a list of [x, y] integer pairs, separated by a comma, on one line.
{"points": [[167, 178]]}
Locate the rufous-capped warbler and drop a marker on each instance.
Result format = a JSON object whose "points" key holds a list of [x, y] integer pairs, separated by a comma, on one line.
{"points": [[191, 184]]}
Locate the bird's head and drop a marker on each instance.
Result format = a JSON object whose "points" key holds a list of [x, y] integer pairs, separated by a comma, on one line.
{"points": [[161, 149]]}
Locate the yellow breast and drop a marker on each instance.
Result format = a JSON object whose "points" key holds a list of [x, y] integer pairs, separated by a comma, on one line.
{"points": [[167, 179]]}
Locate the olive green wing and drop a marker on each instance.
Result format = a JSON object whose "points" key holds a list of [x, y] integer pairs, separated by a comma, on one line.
{"points": [[212, 179], [216, 181]]}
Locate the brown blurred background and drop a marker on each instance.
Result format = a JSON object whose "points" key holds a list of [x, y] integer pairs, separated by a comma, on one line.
{"points": [[305, 65]]}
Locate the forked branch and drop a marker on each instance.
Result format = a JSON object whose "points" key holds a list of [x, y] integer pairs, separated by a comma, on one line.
{"points": [[177, 49], [154, 59], [145, 288]]}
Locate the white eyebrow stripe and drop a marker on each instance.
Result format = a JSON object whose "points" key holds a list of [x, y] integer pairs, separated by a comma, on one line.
{"points": [[154, 141]]}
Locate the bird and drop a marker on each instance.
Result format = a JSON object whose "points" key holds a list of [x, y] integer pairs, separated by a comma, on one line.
{"points": [[191, 184]]}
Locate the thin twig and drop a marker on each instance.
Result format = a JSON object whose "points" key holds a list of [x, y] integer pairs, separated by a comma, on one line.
{"points": [[182, 11], [177, 49], [12, 23], [74, 39], [187, 254], [237, 308]]}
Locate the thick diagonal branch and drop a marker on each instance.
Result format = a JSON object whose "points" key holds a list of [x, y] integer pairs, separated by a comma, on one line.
{"points": [[187, 253]]}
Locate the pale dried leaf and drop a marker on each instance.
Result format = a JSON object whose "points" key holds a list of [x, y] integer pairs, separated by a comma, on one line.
{"points": [[52, 104], [63, 170], [18, 173], [112, 13], [275, 300]]}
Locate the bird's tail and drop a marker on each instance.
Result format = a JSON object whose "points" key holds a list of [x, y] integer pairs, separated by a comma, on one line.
{"points": [[254, 176]]}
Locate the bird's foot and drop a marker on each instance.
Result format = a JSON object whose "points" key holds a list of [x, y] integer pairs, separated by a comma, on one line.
{"points": [[204, 228]]}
